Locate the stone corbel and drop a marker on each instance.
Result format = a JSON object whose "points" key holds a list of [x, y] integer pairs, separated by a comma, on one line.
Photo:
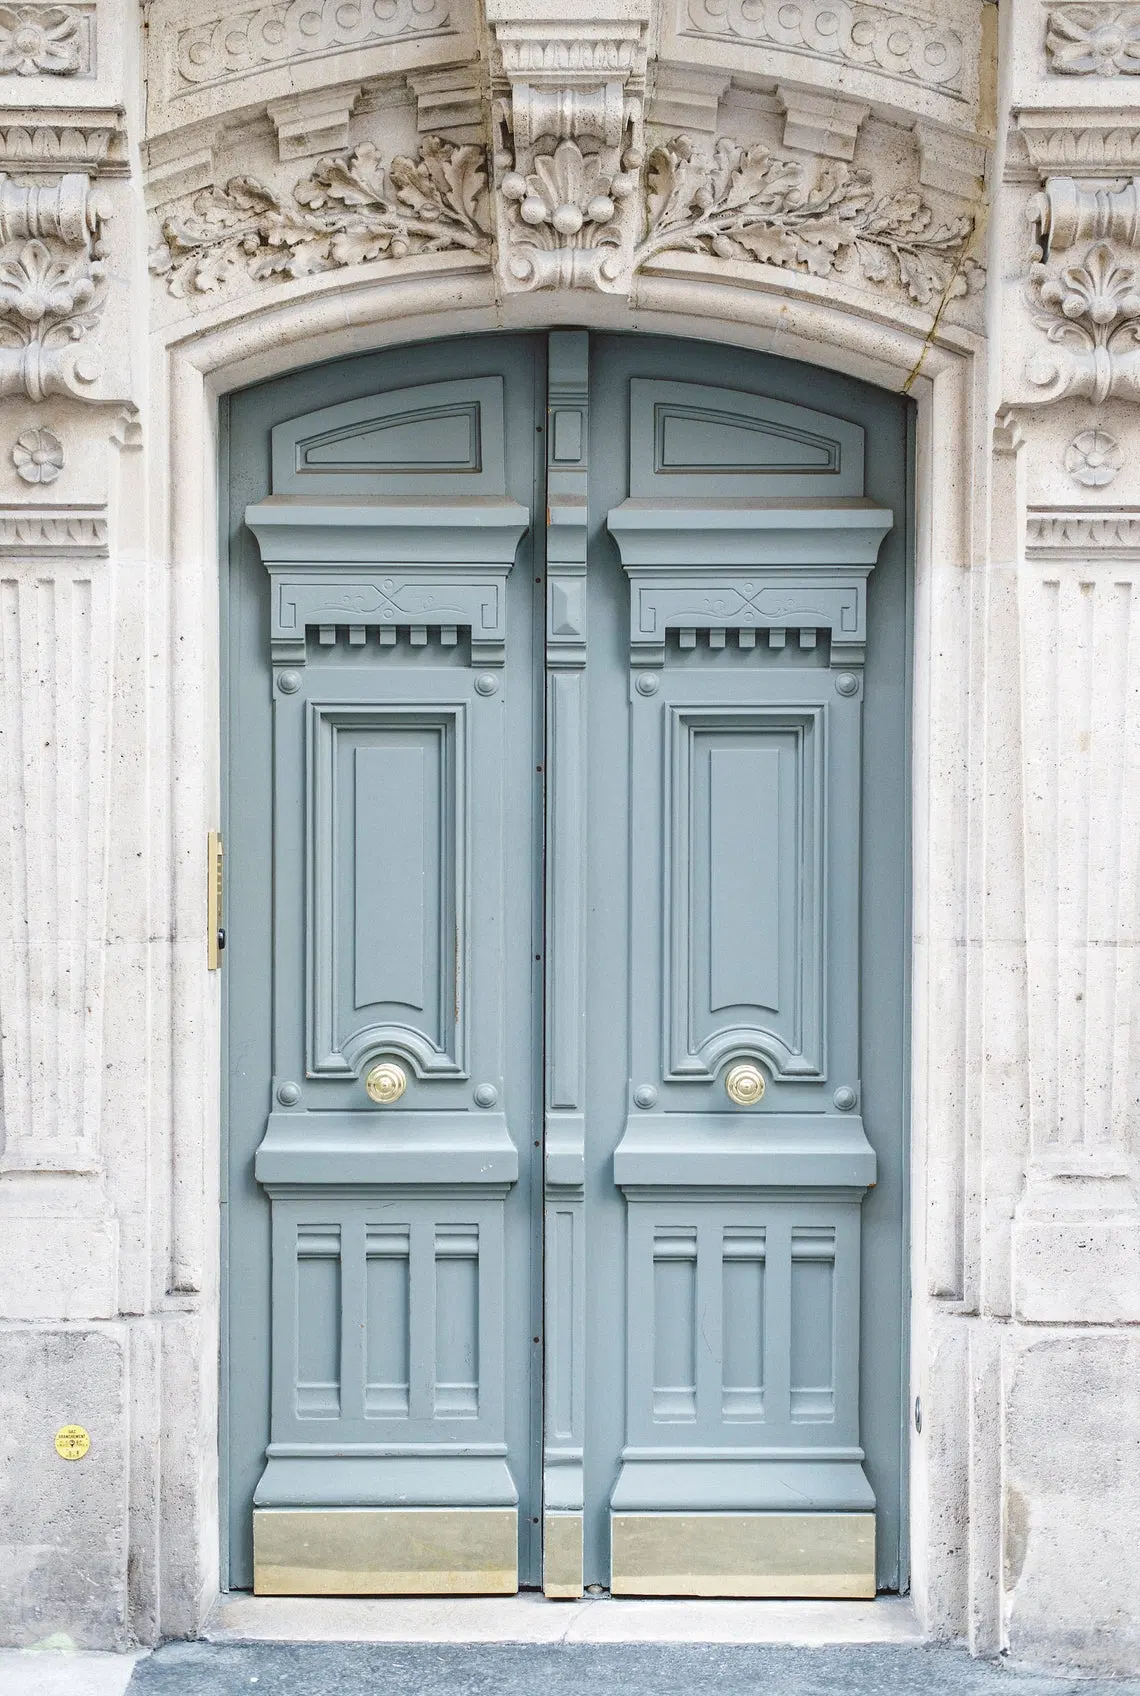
{"points": [[313, 122], [450, 104], [823, 124], [1085, 291], [51, 286], [568, 126]]}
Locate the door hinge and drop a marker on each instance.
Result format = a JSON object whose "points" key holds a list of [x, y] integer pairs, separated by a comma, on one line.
{"points": [[215, 935]]}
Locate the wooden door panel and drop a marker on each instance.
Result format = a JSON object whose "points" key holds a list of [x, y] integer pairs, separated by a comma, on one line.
{"points": [[403, 1053], [748, 543]]}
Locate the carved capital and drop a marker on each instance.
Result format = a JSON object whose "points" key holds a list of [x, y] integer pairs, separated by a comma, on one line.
{"points": [[568, 117]]}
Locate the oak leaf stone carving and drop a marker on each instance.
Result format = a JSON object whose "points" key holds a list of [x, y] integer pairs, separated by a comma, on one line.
{"points": [[747, 203], [348, 211]]}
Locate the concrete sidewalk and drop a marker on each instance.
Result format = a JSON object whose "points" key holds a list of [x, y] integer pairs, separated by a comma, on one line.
{"points": [[524, 1646]]}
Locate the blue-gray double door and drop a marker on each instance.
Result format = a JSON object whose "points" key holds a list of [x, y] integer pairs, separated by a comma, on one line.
{"points": [[566, 824]]}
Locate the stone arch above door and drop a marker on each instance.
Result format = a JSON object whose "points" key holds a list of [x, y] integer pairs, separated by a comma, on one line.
{"points": [[566, 149]]}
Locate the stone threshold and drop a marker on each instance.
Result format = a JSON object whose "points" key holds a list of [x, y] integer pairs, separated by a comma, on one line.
{"points": [[530, 1618]]}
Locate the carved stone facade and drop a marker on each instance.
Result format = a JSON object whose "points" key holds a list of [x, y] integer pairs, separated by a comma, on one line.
{"points": [[917, 195]]}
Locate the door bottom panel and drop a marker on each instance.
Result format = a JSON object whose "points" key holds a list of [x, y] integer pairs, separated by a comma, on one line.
{"points": [[810, 1555], [385, 1551]]}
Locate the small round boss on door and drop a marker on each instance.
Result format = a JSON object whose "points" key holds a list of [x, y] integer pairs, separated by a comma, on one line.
{"points": [[744, 1084], [386, 1083]]}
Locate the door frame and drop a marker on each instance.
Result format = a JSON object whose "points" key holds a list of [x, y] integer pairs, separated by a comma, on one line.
{"points": [[235, 344]]}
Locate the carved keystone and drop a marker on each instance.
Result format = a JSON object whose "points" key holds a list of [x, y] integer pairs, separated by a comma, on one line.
{"points": [[567, 112]]}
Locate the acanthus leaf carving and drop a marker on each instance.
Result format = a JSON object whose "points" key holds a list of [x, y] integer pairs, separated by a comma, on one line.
{"points": [[52, 287], [747, 203], [347, 211], [1094, 41]]}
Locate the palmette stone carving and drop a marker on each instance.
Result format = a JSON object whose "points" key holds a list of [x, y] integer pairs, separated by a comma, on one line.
{"points": [[349, 210], [52, 287], [1090, 313], [239, 43], [568, 220], [1094, 41], [747, 203], [892, 42], [40, 41]]}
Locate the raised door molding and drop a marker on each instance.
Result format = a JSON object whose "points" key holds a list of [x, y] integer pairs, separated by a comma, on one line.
{"points": [[747, 516]]}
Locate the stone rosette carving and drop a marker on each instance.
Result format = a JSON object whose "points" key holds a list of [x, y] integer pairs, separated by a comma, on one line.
{"points": [[1093, 458], [37, 41], [349, 210], [1093, 41], [52, 287], [748, 203], [894, 43], [38, 455], [242, 42]]}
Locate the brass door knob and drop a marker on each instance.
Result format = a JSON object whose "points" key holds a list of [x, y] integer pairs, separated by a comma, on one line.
{"points": [[745, 1084], [386, 1083]]}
